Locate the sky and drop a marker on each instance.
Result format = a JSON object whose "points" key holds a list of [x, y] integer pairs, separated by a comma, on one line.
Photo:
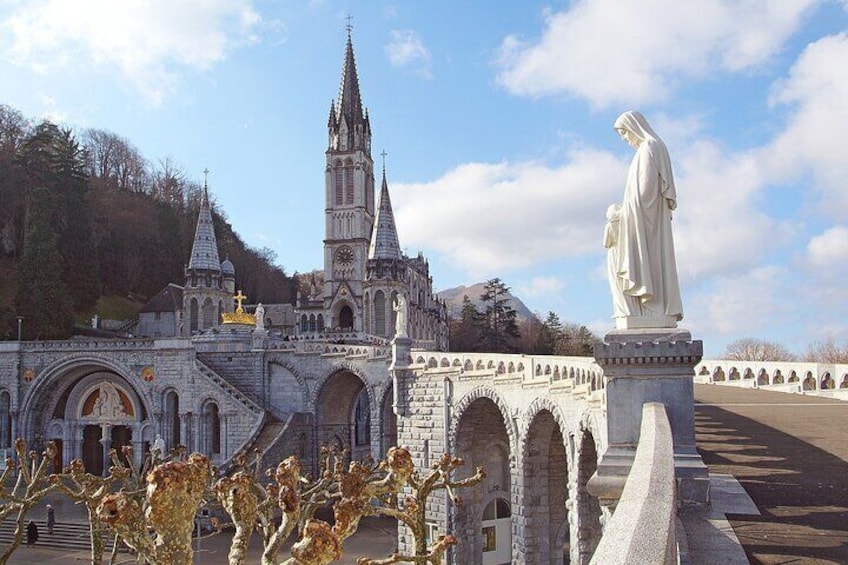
{"points": [[497, 121]]}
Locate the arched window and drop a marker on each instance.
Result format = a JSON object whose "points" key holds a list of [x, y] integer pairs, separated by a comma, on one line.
{"points": [[192, 315], [320, 322], [346, 318], [349, 184], [380, 313], [312, 325], [339, 184], [208, 313], [212, 429], [304, 323], [171, 420]]}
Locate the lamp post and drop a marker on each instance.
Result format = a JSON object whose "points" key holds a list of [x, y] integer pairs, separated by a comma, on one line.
{"points": [[20, 327]]}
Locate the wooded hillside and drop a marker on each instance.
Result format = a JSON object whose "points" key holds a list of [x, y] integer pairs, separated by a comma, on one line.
{"points": [[84, 214]]}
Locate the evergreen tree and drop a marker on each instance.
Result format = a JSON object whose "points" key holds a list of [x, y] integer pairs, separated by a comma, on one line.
{"points": [[42, 298], [550, 335], [465, 332], [500, 324], [79, 258]]}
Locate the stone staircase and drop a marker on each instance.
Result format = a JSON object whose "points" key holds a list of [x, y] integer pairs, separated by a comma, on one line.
{"points": [[72, 536]]}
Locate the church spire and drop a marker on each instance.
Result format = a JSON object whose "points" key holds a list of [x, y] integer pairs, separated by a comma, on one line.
{"points": [[350, 127], [204, 251], [384, 239]]}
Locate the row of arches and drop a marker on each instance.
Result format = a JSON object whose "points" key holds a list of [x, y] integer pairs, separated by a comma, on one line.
{"points": [[556, 372], [558, 517], [810, 382]]}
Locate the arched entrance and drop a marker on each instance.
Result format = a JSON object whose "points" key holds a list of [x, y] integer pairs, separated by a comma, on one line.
{"points": [[87, 408], [346, 318], [388, 423], [343, 414], [545, 492], [495, 529], [482, 441]]}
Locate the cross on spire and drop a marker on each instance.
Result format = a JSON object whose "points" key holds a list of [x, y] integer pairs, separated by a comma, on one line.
{"points": [[383, 155], [206, 182], [349, 26]]}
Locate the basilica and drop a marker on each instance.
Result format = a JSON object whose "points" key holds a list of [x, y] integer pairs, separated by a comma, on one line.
{"points": [[364, 269]]}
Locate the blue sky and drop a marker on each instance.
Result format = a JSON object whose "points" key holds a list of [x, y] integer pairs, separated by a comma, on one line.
{"points": [[497, 120]]}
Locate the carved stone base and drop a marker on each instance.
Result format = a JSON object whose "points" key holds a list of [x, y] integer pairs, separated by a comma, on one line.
{"points": [[650, 365]]}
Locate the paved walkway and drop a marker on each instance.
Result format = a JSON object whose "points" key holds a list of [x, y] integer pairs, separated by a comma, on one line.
{"points": [[376, 537], [790, 453]]}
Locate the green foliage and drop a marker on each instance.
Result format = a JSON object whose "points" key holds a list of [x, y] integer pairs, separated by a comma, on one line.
{"points": [[114, 225], [42, 298], [466, 331], [500, 323]]}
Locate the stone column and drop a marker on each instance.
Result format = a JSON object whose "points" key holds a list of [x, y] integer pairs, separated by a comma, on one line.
{"points": [[106, 441], [225, 435], [649, 365]]}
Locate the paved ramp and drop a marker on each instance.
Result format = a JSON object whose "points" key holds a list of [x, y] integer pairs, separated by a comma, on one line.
{"points": [[790, 454]]}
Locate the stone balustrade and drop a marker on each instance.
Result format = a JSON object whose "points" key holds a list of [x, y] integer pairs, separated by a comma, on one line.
{"points": [[642, 528], [825, 379]]}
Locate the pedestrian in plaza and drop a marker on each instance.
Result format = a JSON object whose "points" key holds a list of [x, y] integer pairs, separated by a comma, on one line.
{"points": [[51, 518], [32, 533]]}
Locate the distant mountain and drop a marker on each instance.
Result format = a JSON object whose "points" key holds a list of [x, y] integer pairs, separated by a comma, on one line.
{"points": [[453, 298]]}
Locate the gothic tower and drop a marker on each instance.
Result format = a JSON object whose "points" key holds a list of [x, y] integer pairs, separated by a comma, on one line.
{"points": [[207, 292], [349, 196], [386, 268]]}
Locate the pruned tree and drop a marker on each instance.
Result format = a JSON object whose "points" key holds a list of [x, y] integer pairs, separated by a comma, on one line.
{"points": [[753, 349], [29, 488]]}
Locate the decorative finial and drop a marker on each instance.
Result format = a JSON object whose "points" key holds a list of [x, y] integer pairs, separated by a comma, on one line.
{"points": [[383, 155], [349, 26], [239, 298]]}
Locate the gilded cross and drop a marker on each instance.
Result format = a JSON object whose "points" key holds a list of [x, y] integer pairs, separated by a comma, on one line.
{"points": [[238, 298]]}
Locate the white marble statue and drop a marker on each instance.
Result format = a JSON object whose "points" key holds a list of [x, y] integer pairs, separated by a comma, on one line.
{"points": [[158, 447], [259, 315], [643, 273], [401, 320]]}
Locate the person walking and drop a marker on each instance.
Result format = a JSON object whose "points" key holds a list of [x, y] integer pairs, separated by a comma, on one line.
{"points": [[51, 518], [31, 533]]}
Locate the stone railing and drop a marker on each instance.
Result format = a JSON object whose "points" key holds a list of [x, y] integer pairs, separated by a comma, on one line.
{"points": [[827, 379], [528, 368], [367, 351], [642, 528], [87, 344]]}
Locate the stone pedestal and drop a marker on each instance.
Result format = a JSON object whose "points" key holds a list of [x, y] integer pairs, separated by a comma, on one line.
{"points": [[401, 360], [649, 365]]}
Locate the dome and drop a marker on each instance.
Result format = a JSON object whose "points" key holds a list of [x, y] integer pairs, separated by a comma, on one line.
{"points": [[227, 267]]}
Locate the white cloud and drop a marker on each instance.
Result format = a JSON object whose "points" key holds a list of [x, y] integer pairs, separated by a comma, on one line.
{"points": [[608, 51], [406, 50], [541, 286], [750, 302], [148, 41], [829, 251], [814, 137], [490, 218]]}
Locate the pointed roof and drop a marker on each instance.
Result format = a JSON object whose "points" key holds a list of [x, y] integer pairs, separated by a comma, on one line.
{"points": [[384, 239], [204, 252], [350, 100]]}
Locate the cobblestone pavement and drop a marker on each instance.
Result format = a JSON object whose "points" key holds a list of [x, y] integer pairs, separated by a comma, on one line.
{"points": [[790, 452]]}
